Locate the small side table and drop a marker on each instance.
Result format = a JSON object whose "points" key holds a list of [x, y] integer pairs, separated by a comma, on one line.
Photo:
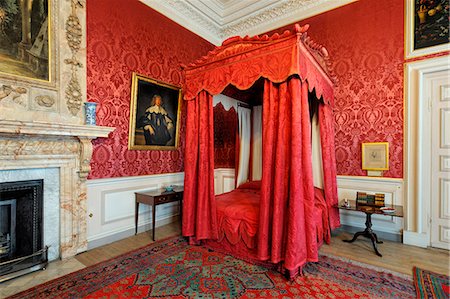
{"points": [[155, 198], [368, 232]]}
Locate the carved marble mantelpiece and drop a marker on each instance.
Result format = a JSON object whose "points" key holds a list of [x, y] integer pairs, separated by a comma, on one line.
{"points": [[49, 129], [41, 121], [28, 145]]}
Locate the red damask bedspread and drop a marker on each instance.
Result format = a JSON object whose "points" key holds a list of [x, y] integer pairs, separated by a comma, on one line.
{"points": [[237, 215]]}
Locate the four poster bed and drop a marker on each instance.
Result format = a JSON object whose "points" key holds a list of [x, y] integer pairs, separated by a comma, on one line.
{"points": [[284, 218]]}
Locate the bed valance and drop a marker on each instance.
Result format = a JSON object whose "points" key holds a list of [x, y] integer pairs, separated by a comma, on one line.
{"points": [[242, 61]]}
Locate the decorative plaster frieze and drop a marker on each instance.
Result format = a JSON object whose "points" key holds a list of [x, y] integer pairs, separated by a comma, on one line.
{"points": [[13, 94], [252, 20], [188, 16], [269, 15], [45, 101], [31, 146], [196, 16], [74, 35]]}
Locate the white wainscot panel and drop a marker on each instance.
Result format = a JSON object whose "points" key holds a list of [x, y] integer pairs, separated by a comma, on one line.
{"points": [[111, 206], [445, 234], [445, 163], [445, 198], [391, 188], [445, 125], [224, 180]]}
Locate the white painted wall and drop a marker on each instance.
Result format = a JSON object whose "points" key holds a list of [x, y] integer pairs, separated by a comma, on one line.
{"points": [[112, 202], [347, 188], [226, 101], [391, 188], [224, 180]]}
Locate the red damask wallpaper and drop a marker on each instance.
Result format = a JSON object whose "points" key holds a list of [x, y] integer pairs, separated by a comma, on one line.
{"points": [[125, 36], [365, 42], [225, 126]]}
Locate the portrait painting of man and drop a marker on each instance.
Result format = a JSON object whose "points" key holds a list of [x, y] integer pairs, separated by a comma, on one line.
{"points": [[154, 114]]}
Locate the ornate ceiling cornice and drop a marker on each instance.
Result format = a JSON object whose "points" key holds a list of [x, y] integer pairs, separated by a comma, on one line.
{"points": [[217, 20]]}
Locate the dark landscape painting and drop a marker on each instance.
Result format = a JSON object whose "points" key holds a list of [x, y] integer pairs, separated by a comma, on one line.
{"points": [[431, 23], [24, 38]]}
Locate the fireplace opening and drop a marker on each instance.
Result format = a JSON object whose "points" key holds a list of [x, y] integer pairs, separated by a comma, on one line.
{"points": [[21, 228], [7, 228]]}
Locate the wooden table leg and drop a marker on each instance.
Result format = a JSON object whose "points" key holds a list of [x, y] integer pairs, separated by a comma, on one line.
{"points": [[154, 221], [136, 215], [368, 233]]}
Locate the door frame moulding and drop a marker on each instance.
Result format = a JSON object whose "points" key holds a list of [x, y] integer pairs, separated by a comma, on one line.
{"points": [[416, 168]]}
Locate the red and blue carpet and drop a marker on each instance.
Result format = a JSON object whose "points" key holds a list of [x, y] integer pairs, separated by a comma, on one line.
{"points": [[174, 269], [430, 285]]}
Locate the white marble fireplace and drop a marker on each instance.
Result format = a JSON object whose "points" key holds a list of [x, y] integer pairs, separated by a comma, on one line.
{"points": [[42, 131], [60, 155], [51, 208]]}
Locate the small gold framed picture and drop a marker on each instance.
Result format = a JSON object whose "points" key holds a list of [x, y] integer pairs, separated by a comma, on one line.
{"points": [[375, 156], [154, 114]]}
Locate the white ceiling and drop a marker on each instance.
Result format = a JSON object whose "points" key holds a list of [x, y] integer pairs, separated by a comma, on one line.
{"points": [[217, 20]]}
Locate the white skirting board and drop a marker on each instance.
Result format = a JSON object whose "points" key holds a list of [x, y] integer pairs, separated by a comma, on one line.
{"points": [[112, 203], [416, 239]]}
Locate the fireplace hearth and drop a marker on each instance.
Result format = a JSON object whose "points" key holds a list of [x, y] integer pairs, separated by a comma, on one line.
{"points": [[22, 248]]}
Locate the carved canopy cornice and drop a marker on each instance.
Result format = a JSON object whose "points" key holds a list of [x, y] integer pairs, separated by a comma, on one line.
{"points": [[241, 61]]}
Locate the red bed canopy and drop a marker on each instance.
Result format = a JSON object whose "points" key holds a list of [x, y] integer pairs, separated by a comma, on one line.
{"points": [[292, 65]]}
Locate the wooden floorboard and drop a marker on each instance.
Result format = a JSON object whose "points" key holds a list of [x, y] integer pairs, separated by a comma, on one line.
{"points": [[103, 253], [396, 256]]}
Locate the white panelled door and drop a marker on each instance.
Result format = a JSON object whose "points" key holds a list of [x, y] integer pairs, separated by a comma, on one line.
{"points": [[440, 159]]}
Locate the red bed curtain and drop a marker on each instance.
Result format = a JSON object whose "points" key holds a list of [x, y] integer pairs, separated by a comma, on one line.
{"points": [[326, 125], [199, 205], [286, 229], [291, 64]]}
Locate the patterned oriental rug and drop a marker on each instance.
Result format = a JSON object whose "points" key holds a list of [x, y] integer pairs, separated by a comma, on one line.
{"points": [[174, 269], [430, 285]]}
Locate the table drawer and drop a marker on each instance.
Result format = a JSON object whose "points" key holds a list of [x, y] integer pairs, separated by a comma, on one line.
{"points": [[168, 198]]}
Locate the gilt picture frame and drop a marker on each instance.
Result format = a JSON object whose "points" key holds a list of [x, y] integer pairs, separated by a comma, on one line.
{"points": [[375, 155], [426, 27], [154, 114], [26, 41]]}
